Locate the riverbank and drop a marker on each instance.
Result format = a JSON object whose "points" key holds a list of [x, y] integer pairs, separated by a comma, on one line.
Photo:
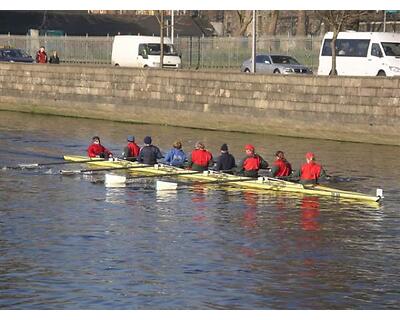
{"points": [[359, 109]]}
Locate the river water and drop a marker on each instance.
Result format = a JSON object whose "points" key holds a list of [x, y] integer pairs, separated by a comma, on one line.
{"points": [[67, 242]]}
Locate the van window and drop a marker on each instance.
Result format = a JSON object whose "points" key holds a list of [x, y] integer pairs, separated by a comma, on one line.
{"points": [[376, 51], [391, 48], [155, 49], [347, 47], [143, 50]]}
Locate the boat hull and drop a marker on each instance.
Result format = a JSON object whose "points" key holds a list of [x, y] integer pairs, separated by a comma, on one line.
{"points": [[263, 183]]}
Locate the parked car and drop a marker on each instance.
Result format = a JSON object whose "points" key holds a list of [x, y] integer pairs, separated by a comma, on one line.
{"points": [[15, 55], [275, 63]]}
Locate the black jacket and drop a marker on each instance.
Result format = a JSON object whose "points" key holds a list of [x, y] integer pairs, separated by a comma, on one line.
{"points": [[149, 155], [225, 162]]}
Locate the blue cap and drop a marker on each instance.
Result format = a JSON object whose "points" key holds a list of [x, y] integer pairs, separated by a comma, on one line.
{"points": [[147, 140], [131, 139]]}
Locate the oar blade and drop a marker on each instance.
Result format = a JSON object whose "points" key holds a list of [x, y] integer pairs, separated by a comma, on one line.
{"points": [[69, 172], [28, 165], [114, 181], [166, 186]]}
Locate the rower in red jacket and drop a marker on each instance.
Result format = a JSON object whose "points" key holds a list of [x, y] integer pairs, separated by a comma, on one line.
{"points": [[96, 150], [281, 167], [253, 162], [200, 158], [132, 149], [311, 171]]}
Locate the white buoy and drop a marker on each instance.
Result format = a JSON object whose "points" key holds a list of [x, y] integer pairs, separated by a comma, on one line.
{"points": [[112, 180], [379, 193], [163, 185]]}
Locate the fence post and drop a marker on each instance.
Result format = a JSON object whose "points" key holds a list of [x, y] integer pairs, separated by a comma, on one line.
{"points": [[190, 51], [198, 53], [86, 48]]}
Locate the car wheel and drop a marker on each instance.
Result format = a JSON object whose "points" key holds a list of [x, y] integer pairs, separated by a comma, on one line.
{"points": [[381, 73], [117, 65], [277, 71]]}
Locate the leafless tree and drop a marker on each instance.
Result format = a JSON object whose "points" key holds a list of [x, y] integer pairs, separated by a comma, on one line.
{"points": [[160, 19], [336, 21], [301, 23], [245, 18], [274, 22]]}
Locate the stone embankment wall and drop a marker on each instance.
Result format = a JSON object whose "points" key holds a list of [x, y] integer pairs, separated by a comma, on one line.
{"points": [[360, 109]]}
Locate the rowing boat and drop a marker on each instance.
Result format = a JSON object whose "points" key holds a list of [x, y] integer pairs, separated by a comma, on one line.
{"points": [[263, 183]]}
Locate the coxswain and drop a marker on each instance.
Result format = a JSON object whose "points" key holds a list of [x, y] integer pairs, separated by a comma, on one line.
{"points": [[310, 171], [132, 149], [226, 161], [200, 158], [281, 167], [253, 162], [176, 156], [149, 154], [96, 150]]}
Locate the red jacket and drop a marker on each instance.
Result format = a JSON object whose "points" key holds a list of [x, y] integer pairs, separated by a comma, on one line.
{"points": [[133, 149], [283, 168], [41, 57], [253, 163], [96, 149], [310, 171], [200, 158]]}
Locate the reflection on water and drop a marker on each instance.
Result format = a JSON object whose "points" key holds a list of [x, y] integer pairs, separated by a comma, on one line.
{"points": [[67, 242], [309, 213]]}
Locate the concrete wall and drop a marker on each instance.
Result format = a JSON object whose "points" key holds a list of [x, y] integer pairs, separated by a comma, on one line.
{"points": [[359, 109]]}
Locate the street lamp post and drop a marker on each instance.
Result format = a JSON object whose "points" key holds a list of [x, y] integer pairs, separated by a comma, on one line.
{"points": [[253, 47]]}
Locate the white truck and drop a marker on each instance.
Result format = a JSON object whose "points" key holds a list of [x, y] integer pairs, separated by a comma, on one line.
{"points": [[362, 54], [143, 52]]}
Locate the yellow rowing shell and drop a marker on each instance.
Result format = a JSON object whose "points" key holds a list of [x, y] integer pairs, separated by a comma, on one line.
{"points": [[261, 183]]}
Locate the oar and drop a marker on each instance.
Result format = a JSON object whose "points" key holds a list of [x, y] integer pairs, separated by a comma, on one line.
{"points": [[111, 180], [35, 165], [71, 172], [116, 180]]}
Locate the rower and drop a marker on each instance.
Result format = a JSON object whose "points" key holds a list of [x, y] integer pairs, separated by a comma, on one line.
{"points": [[281, 167], [253, 162], [132, 149], [226, 161], [310, 171], [96, 150], [200, 158], [175, 156], [149, 154]]}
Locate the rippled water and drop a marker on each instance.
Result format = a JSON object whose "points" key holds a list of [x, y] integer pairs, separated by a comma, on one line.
{"points": [[70, 243]]}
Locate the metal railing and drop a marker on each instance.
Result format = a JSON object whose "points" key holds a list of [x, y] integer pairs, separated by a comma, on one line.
{"points": [[197, 52]]}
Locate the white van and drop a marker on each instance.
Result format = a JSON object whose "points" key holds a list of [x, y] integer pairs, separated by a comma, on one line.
{"points": [[143, 52], [362, 54]]}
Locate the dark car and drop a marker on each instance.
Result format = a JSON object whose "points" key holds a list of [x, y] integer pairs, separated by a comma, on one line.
{"points": [[15, 55], [276, 63]]}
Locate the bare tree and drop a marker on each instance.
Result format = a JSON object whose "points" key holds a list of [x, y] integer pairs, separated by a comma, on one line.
{"points": [[274, 22], [301, 23], [336, 21], [160, 19], [245, 18]]}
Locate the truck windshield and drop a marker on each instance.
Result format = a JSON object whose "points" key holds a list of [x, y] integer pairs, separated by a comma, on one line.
{"points": [[391, 48], [155, 49]]}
